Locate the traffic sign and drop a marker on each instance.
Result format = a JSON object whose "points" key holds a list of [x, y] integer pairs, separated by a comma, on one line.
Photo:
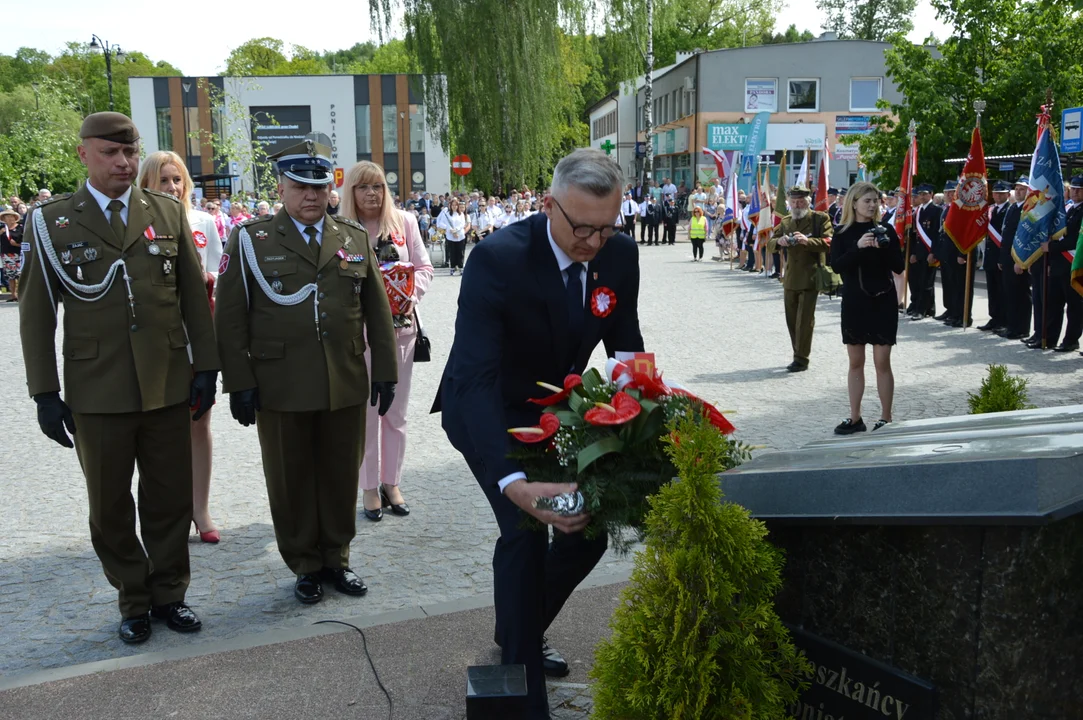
{"points": [[461, 165], [1071, 141], [339, 175], [1006, 166]]}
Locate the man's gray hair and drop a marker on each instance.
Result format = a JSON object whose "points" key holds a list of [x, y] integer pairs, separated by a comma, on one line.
{"points": [[589, 170]]}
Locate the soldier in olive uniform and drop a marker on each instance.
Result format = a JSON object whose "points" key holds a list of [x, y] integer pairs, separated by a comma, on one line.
{"points": [[296, 294], [122, 261], [806, 236]]}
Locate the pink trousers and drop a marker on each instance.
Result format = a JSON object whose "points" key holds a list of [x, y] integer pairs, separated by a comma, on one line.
{"points": [[385, 437]]}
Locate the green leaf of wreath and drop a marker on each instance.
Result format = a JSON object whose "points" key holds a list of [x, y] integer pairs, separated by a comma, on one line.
{"points": [[570, 419], [596, 450], [592, 382]]}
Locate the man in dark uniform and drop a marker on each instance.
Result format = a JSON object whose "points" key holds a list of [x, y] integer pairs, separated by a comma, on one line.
{"points": [[950, 257], [122, 261], [1062, 298], [922, 259], [832, 203], [1016, 279], [836, 214], [654, 219], [991, 258], [297, 295], [669, 217]]}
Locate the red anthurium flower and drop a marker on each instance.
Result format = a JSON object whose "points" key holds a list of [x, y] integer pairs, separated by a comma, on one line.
{"points": [[546, 428], [570, 383], [622, 408]]}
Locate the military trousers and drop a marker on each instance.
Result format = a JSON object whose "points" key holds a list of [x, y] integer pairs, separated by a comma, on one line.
{"points": [[800, 320], [159, 443], [311, 461]]}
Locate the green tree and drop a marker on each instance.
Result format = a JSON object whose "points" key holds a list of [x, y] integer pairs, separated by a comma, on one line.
{"points": [[260, 56], [696, 635], [790, 36], [38, 141], [391, 58], [868, 19], [232, 137], [85, 72], [340, 60], [999, 53]]}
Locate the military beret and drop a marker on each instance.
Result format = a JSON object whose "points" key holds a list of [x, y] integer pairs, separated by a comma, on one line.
{"points": [[799, 191], [111, 126], [1077, 181], [951, 184], [924, 188], [1023, 180], [1002, 186]]}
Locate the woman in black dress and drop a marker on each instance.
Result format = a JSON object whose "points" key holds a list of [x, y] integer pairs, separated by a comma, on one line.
{"points": [[865, 252]]}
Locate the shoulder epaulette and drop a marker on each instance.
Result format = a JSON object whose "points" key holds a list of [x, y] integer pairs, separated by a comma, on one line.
{"points": [[348, 221], [257, 219], [53, 199], [161, 194]]}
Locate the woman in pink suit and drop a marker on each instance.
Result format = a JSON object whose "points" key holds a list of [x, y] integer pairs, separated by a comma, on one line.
{"points": [[394, 236]]}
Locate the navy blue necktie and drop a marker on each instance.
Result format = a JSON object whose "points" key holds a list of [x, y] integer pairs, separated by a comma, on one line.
{"points": [[575, 309]]}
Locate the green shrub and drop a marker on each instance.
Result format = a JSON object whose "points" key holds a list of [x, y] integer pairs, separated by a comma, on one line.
{"points": [[696, 635], [1000, 392]]}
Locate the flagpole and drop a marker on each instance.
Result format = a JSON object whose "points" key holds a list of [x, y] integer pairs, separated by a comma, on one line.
{"points": [[911, 133], [1045, 255], [979, 107]]}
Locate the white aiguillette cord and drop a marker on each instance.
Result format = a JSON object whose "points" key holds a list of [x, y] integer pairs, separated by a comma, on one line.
{"points": [[248, 252], [93, 293]]}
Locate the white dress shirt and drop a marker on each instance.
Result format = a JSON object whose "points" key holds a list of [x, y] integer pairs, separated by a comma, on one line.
{"points": [[564, 263], [103, 202], [301, 229], [630, 208]]}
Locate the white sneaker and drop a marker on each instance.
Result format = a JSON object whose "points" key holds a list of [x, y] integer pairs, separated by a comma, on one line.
{"points": [[452, 272]]}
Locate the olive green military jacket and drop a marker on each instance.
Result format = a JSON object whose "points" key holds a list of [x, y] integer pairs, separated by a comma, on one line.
{"points": [[297, 363], [120, 355], [801, 260]]}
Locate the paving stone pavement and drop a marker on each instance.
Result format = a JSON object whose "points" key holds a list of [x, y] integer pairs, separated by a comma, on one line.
{"points": [[720, 332]]}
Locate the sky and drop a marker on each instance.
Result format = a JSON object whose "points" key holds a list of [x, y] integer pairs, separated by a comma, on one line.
{"points": [[201, 41]]}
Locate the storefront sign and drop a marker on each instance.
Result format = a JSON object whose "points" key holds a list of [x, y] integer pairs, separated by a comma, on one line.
{"points": [[795, 136], [276, 128], [847, 684], [670, 142], [725, 136], [761, 95], [846, 126]]}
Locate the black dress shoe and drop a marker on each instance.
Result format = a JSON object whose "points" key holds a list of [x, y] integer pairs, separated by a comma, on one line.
{"points": [[134, 630], [1035, 345], [1013, 336], [346, 581], [1032, 338], [796, 367], [987, 327], [553, 664], [308, 588], [915, 318], [954, 322], [402, 509], [1066, 347], [849, 427], [942, 316], [178, 616]]}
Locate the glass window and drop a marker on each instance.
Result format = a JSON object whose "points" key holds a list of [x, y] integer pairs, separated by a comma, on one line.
{"points": [[391, 128], [864, 92], [804, 95], [165, 129], [761, 95], [363, 123], [417, 128], [193, 131]]}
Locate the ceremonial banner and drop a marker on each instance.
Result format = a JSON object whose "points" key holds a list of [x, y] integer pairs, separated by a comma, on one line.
{"points": [[822, 180], [780, 209], [967, 221], [751, 218], [1043, 217], [802, 174], [1077, 266], [904, 213], [767, 219]]}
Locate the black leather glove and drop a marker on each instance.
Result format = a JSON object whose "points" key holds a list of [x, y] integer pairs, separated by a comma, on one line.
{"points": [[243, 405], [383, 393], [53, 416], [204, 387]]}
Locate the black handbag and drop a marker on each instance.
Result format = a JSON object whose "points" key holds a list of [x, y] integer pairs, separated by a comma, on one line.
{"points": [[422, 346]]}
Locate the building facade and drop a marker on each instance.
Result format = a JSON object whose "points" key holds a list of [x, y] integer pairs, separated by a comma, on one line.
{"points": [[367, 117], [817, 92]]}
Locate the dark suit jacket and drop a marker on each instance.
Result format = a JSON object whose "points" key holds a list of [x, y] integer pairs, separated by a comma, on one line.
{"points": [[992, 252], [929, 219], [511, 332], [1059, 265], [1011, 223]]}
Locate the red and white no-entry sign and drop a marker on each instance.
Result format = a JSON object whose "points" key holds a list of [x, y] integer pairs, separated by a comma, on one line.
{"points": [[460, 165]]}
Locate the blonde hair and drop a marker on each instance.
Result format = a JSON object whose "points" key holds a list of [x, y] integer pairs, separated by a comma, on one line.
{"points": [[858, 191], [367, 172], [151, 174]]}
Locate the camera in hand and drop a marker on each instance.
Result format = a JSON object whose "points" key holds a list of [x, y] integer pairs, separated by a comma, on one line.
{"points": [[880, 233]]}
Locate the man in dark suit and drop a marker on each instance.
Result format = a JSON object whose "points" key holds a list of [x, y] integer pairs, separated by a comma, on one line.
{"points": [[922, 270], [1016, 280], [991, 259], [527, 314], [1064, 302], [654, 220]]}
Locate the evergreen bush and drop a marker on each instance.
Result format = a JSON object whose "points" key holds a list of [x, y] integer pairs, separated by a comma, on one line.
{"points": [[696, 635], [1000, 392]]}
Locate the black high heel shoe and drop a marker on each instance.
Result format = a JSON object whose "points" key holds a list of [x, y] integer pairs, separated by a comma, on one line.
{"points": [[374, 515], [401, 510]]}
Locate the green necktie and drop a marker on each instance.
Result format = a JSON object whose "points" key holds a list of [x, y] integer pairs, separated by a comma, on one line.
{"points": [[115, 220], [312, 244]]}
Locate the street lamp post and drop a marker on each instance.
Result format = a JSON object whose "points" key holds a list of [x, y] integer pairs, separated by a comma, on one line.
{"points": [[186, 86], [97, 45], [37, 112]]}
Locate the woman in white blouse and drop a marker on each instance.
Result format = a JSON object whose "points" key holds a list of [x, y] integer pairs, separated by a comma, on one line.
{"points": [[165, 172], [455, 226]]}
